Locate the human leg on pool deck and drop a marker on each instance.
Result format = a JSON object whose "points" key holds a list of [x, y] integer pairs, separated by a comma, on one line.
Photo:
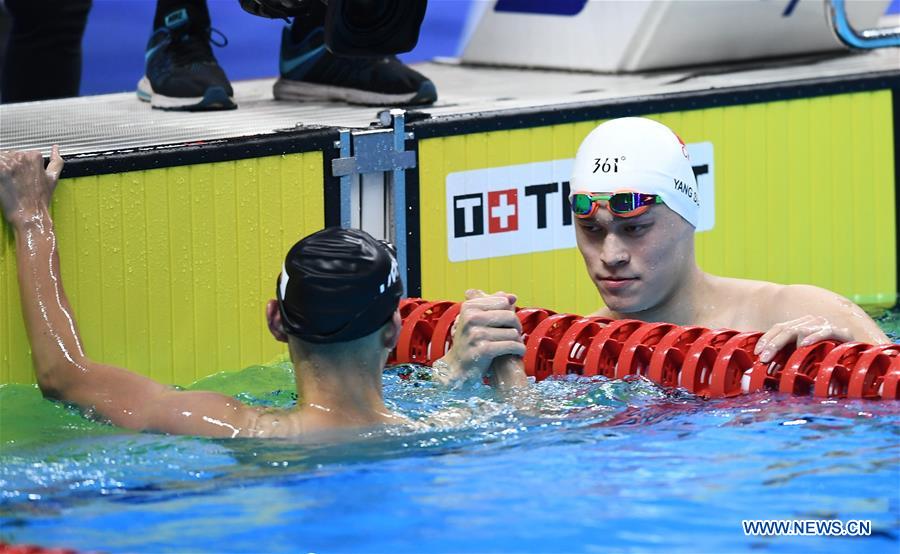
{"points": [[309, 71], [181, 71], [183, 74]]}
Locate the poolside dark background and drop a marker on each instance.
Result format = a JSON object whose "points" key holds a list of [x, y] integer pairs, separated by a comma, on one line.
{"points": [[117, 34]]}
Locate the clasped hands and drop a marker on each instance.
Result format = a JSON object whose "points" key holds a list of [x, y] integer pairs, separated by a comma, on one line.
{"points": [[486, 329]]}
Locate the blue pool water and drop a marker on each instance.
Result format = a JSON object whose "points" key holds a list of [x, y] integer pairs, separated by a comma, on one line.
{"points": [[583, 465]]}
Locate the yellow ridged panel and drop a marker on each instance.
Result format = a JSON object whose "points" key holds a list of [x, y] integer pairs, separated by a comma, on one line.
{"points": [[804, 193], [269, 243], [160, 273], [226, 283], [203, 267], [248, 230], [882, 263], [5, 239], [114, 337], [181, 267], [799, 137], [6, 300], [137, 274], [86, 289], [168, 270]]}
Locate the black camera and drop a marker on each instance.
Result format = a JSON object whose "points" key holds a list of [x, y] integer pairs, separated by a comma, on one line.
{"points": [[356, 27]]}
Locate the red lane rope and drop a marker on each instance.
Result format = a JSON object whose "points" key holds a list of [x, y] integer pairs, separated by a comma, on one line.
{"points": [[713, 363], [6, 548]]}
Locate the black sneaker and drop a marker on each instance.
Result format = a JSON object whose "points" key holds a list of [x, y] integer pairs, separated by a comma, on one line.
{"points": [[310, 72], [181, 71]]}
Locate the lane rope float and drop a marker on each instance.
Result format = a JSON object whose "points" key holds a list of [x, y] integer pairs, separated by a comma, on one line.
{"points": [[713, 363]]}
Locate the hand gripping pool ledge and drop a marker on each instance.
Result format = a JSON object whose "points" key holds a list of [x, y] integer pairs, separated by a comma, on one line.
{"points": [[336, 307]]}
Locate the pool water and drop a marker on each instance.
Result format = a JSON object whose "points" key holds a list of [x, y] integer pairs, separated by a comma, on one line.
{"points": [[582, 465]]}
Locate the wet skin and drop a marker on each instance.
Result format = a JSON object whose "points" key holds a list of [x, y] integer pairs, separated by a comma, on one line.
{"points": [[339, 384], [638, 264]]}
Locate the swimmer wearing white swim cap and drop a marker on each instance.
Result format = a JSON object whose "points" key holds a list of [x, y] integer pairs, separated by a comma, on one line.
{"points": [[636, 205], [635, 155]]}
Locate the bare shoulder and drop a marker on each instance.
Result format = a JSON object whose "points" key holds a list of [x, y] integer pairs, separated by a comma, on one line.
{"points": [[768, 303], [800, 300], [746, 290], [796, 301], [736, 303]]}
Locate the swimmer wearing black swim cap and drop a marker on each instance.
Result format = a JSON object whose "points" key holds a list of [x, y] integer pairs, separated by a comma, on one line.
{"points": [[338, 285], [336, 307]]}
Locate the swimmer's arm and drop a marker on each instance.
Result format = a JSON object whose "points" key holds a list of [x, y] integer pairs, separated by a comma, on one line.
{"points": [[122, 397], [62, 369], [804, 314], [136, 402]]}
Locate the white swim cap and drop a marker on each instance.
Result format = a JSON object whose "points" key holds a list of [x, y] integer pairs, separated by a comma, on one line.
{"points": [[639, 154]]}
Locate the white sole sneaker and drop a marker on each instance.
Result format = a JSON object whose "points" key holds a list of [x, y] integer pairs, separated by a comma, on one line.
{"points": [[215, 98], [285, 89]]}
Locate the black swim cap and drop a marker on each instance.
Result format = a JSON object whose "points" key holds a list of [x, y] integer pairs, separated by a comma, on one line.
{"points": [[338, 285]]}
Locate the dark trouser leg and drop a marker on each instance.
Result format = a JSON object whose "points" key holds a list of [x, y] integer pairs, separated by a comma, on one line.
{"points": [[43, 56], [312, 16]]}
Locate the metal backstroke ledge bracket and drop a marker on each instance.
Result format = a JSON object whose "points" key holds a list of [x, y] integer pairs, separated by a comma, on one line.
{"points": [[371, 168]]}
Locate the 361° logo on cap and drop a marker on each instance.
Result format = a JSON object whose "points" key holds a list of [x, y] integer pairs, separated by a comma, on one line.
{"points": [[607, 165]]}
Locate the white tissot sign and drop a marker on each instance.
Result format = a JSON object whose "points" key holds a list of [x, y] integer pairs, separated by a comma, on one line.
{"points": [[520, 209]]}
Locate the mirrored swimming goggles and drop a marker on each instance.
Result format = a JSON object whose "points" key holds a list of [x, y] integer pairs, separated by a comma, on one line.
{"points": [[620, 203]]}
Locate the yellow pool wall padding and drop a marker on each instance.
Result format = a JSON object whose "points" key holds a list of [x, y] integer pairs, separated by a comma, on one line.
{"points": [[168, 270], [830, 159]]}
